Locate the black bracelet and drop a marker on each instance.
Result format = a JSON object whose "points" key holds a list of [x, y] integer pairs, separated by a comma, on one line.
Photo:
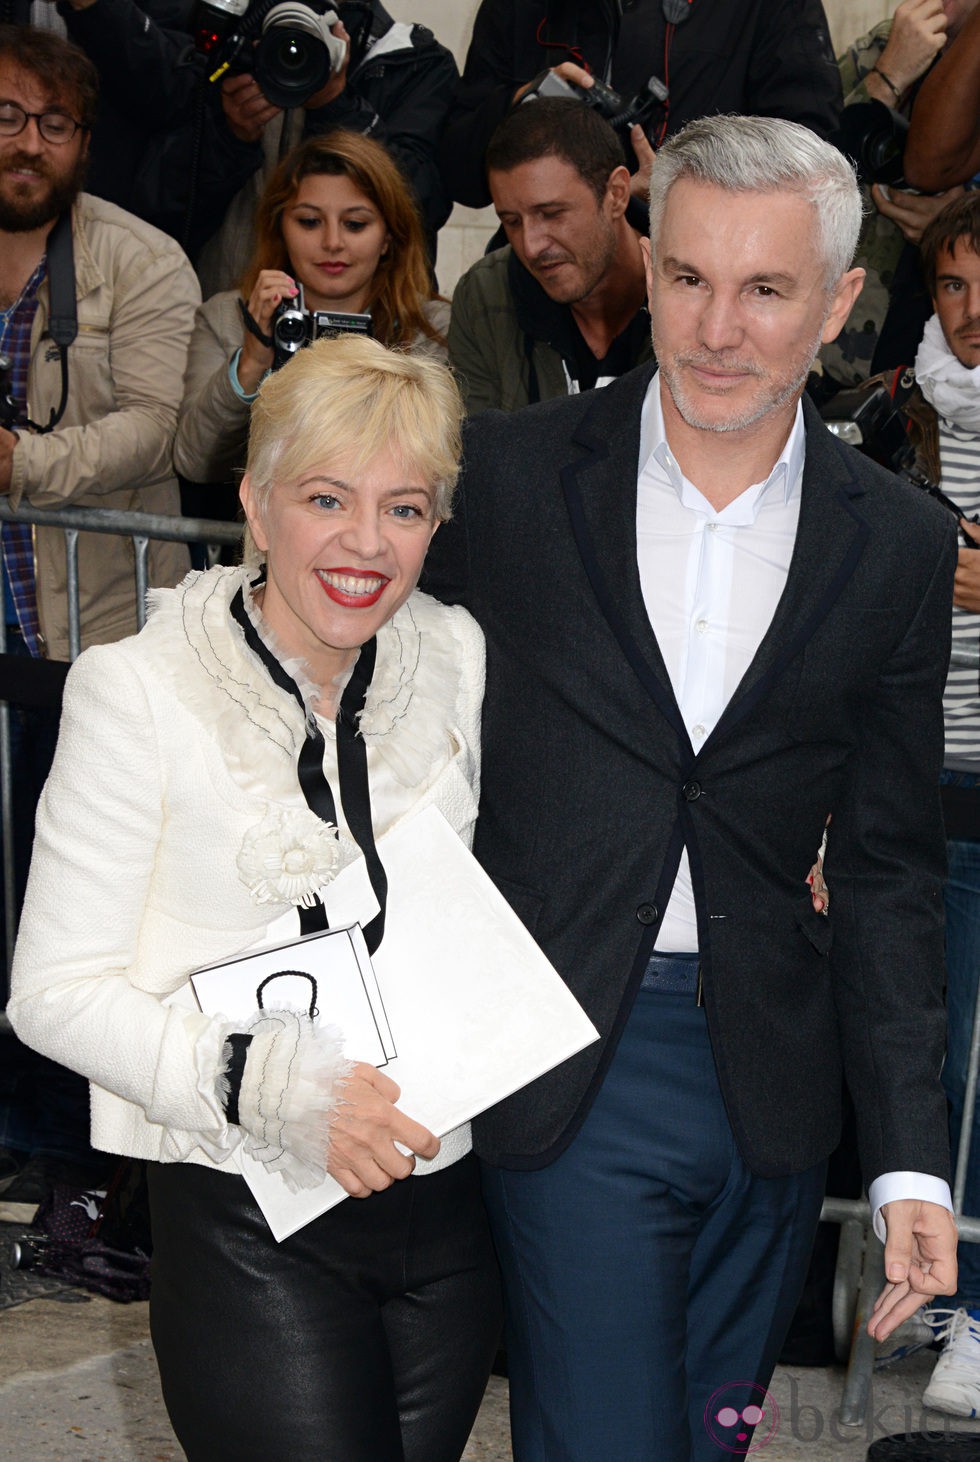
{"points": [[888, 82], [239, 1044]]}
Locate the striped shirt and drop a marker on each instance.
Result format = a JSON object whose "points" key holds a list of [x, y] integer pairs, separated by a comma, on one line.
{"points": [[959, 455]]}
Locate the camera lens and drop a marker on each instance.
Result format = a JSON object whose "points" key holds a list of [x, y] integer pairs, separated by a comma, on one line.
{"points": [[290, 65], [290, 331]]}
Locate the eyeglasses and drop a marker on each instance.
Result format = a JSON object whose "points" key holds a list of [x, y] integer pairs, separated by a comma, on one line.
{"points": [[54, 127]]}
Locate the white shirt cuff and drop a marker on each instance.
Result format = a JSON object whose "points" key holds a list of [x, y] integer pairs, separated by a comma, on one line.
{"points": [[890, 1187]]}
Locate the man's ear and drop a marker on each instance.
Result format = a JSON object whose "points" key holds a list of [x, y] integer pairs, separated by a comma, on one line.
{"points": [[647, 252], [618, 191], [253, 514], [845, 294]]}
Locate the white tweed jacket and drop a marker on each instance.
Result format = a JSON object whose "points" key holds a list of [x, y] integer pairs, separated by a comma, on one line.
{"points": [[176, 749]]}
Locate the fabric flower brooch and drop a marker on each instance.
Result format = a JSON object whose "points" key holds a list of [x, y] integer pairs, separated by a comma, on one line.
{"points": [[287, 856]]}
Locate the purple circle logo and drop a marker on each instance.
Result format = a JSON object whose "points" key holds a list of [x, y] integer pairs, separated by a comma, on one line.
{"points": [[741, 1417]]}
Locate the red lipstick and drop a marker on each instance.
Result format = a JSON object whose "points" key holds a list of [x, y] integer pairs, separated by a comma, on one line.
{"points": [[343, 594]]}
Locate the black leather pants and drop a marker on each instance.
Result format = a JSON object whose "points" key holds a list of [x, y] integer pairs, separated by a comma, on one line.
{"points": [[365, 1337]]}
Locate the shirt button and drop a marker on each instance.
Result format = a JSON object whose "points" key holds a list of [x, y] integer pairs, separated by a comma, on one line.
{"points": [[697, 730], [648, 913], [691, 791], [712, 527], [702, 626]]}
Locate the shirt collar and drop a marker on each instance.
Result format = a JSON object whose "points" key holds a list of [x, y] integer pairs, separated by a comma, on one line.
{"points": [[783, 481]]}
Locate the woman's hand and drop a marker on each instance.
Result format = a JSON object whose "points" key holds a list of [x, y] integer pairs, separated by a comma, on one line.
{"points": [[270, 289], [364, 1129]]}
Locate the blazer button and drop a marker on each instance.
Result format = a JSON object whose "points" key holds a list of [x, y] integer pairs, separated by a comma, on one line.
{"points": [[691, 791], [648, 913]]}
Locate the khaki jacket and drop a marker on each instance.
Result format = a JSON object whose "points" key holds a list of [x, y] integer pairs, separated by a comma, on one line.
{"points": [[136, 295]]}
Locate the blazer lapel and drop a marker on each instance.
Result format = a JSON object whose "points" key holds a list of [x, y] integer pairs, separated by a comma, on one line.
{"points": [[830, 539], [600, 494]]}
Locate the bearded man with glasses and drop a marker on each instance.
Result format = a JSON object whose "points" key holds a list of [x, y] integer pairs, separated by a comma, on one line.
{"points": [[94, 423]]}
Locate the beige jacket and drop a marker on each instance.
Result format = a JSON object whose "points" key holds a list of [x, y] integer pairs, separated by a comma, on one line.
{"points": [[136, 295], [212, 434]]}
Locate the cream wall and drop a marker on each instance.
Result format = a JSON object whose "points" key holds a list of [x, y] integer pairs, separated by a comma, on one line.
{"points": [[464, 237]]}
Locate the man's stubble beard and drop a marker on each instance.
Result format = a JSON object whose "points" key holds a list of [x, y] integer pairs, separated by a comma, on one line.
{"points": [[24, 217], [752, 413]]}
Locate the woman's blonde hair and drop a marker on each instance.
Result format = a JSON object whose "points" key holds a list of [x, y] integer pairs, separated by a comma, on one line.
{"points": [[402, 282], [349, 398]]}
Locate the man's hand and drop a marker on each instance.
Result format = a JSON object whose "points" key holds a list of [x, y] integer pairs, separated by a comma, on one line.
{"points": [[911, 211], [8, 442], [920, 1262], [966, 583], [246, 109], [568, 71], [917, 36], [363, 1132], [338, 80]]}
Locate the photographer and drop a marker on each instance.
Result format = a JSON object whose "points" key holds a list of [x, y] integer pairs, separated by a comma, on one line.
{"points": [[394, 83], [886, 67], [562, 308], [337, 219], [94, 427], [774, 59], [939, 403], [159, 145]]}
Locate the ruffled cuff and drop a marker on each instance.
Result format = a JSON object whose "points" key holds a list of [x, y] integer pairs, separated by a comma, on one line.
{"points": [[289, 1090]]}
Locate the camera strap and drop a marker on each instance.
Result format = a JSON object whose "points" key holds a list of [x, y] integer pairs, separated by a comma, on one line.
{"points": [[63, 312], [252, 325]]}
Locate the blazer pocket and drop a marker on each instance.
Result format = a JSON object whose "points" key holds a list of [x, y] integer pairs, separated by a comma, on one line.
{"points": [[526, 903], [817, 927]]}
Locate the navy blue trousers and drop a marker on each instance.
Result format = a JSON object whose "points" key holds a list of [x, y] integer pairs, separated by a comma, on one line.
{"points": [[650, 1276]]}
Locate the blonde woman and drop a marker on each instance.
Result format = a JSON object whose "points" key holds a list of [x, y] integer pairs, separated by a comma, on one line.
{"points": [[173, 830]]}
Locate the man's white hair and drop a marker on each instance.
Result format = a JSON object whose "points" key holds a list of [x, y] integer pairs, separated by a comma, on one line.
{"points": [[766, 155]]}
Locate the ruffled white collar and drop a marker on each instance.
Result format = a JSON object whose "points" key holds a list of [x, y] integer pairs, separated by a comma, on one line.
{"points": [[410, 705]]}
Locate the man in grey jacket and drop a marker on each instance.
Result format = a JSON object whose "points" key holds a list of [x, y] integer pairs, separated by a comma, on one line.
{"points": [[563, 308]]}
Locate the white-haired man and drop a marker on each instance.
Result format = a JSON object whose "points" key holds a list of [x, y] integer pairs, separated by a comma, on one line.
{"points": [[710, 628]]}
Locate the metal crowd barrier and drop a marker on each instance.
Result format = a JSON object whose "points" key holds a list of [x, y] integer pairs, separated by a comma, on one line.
{"points": [[40, 681]]}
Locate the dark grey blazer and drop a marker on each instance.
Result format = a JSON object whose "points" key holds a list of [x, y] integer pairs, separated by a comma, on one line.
{"points": [[591, 785]]}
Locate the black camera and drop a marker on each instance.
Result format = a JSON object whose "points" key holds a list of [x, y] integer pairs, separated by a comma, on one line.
{"points": [[620, 115], [9, 410], [873, 137], [287, 45], [866, 417], [294, 326]]}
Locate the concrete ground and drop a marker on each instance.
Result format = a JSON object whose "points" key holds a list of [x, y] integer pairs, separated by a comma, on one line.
{"points": [[78, 1384]]}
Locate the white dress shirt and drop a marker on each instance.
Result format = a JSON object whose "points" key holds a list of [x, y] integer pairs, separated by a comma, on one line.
{"points": [[711, 582]]}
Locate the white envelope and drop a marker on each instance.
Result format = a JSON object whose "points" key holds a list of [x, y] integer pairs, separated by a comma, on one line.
{"points": [[476, 1011]]}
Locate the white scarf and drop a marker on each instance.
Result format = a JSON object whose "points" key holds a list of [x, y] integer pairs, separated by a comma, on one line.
{"points": [[952, 388]]}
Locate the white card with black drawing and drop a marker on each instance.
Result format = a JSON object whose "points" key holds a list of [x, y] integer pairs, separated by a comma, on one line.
{"points": [[328, 974]]}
